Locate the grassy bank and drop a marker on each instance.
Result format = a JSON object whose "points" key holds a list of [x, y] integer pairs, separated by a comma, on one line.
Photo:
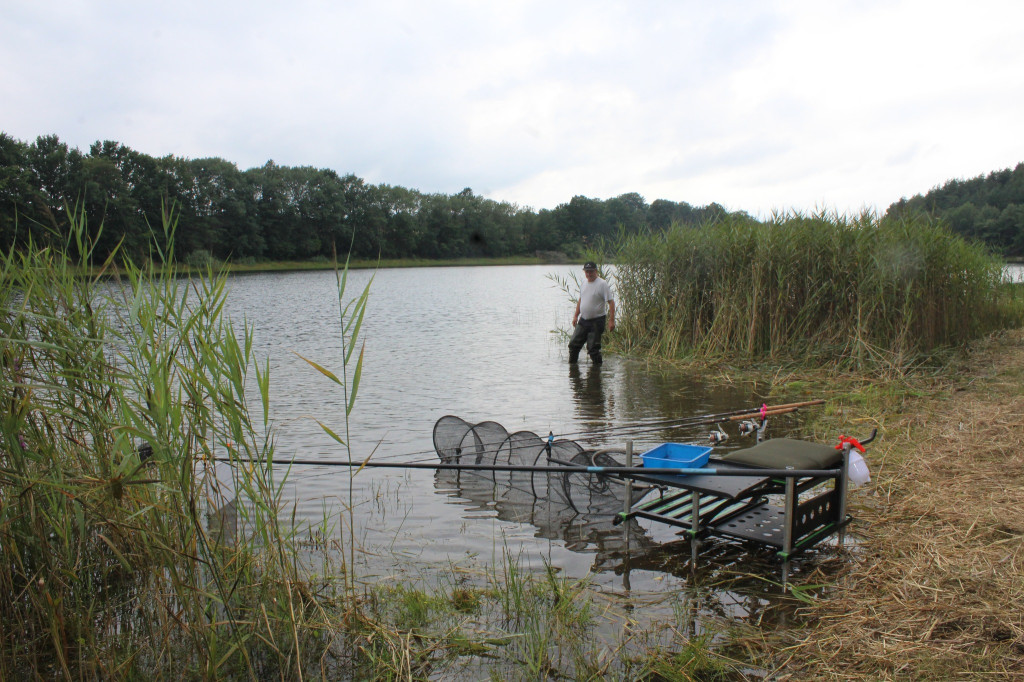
{"points": [[855, 292], [203, 266], [385, 263], [903, 327], [935, 591]]}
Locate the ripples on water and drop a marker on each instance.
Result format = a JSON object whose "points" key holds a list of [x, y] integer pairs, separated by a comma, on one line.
{"points": [[482, 344]]}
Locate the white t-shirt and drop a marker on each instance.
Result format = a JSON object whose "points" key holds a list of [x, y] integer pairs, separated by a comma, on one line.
{"points": [[593, 297]]}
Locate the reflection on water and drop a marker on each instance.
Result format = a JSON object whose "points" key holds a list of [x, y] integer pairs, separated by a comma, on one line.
{"points": [[481, 343], [588, 395], [573, 508]]}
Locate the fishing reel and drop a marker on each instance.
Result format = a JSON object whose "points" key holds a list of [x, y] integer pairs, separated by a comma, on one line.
{"points": [[749, 426], [718, 436]]}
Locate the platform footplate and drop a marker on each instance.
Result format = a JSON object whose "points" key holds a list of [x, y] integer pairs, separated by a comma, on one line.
{"points": [[677, 510]]}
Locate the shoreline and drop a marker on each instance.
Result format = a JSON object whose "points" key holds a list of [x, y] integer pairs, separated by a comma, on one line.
{"points": [[290, 266], [937, 588]]}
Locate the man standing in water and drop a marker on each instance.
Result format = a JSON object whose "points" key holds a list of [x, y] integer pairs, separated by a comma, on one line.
{"points": [[589, 318]]}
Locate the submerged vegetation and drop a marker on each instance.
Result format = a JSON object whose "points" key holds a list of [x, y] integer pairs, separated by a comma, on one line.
{"points": [[857, 292]]}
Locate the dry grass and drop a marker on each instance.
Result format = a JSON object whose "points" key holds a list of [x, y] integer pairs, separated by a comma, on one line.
{"points": [[937, 591]]}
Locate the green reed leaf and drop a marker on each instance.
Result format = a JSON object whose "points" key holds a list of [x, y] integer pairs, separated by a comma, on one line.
{"points": [[323, 370]]}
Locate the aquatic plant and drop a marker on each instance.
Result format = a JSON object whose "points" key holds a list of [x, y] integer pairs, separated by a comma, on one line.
{"points": [[861, 292], [120, 550]]}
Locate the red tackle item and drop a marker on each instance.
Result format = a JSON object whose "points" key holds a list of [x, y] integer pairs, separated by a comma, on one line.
{"points": [[843, 440]]}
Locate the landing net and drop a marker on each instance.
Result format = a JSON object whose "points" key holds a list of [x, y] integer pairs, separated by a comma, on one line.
{"points": [[567, 494]]}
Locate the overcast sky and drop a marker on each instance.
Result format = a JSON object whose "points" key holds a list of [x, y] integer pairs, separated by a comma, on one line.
{"points": [[758, 105]]}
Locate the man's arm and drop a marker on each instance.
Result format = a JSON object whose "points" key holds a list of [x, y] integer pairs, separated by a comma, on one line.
{"points": [[576, 315]]}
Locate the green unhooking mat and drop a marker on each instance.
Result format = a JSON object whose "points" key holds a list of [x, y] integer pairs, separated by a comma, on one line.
{"points": [[779, 453]]}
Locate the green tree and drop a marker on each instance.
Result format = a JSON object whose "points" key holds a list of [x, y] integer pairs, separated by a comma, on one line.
{"points": [[402, 235], [627, 211], [276, 211], [148, 187], [975, 207], [56, 176], [16, 190], [586, 219], [663, 213], [107, 202]]}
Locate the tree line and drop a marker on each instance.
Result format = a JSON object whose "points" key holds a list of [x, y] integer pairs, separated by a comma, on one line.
{"points": [[988, 208], [276, 212]]}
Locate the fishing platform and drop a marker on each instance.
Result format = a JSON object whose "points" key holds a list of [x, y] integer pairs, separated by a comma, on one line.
{"points": [[783, 494]]}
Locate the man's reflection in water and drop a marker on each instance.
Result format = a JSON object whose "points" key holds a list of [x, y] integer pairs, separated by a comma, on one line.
{"points": [[588, 392], [619, 543]]}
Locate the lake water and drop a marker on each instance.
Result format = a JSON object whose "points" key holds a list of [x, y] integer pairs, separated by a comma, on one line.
{"points": [[483, 344]]}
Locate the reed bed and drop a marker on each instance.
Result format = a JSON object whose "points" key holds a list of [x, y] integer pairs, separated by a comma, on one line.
{"points": [[859, 292], [119, 552]]}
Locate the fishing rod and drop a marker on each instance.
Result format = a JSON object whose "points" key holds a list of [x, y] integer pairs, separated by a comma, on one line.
{"points": [[567, 469], [702, 419], [739, 415], [697, 420]]}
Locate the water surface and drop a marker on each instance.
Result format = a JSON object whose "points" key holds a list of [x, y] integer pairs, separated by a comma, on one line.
{"points": [[483, 344]]}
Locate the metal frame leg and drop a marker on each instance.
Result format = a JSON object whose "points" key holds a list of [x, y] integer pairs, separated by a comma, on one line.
{"points": [[694, 527], [788, 521], [842, 484]]}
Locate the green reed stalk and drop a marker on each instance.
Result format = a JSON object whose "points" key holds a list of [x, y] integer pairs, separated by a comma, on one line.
{"points": [[351, 312]]}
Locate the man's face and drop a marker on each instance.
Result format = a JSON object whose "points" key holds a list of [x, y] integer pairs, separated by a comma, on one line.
{"points": [[591, 275]]}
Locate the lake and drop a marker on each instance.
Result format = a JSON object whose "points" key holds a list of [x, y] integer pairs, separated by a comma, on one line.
{"points": [[482, 344]]}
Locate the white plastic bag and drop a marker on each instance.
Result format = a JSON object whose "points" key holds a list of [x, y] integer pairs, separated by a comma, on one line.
{"points": [[858, 470]]}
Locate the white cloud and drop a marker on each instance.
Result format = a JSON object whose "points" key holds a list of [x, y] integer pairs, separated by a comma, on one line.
{"points": [[755, 105]]}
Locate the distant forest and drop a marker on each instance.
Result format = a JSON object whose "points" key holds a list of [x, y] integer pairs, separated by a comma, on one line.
{"points": [[301, 213], [988, 208], [284, 213]]}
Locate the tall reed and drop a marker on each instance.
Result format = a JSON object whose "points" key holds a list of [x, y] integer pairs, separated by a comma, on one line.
{"points": [[117, 397], [861, 291]]}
